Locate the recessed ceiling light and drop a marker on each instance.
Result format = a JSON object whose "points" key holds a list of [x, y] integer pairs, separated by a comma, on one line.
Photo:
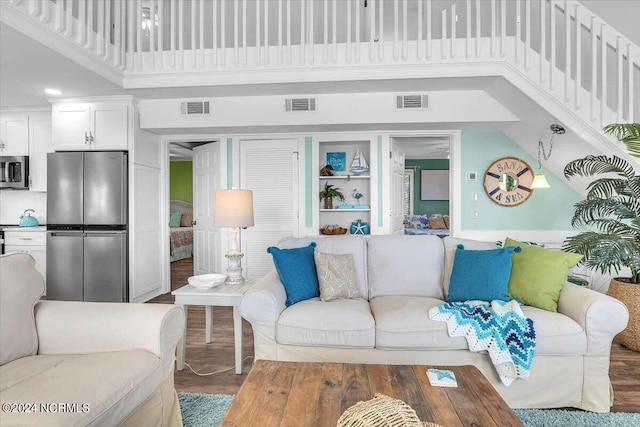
{"points": [[53, 91]]}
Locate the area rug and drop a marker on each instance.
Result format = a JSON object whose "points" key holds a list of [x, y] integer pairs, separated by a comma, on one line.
{"points": [[200, 410]]}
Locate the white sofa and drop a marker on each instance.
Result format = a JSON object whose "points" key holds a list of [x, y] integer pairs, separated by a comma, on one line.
{"points": [[400, 278], [86, 363]]}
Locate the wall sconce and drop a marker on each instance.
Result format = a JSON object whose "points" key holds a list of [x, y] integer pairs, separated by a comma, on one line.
{"points": [[145, 19], [540, 181]]}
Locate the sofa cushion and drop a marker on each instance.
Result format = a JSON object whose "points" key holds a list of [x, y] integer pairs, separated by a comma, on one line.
{"points": [[338, 323], [405, 265], [336, 276], [348, 244], [112, 384], [480, 275], [556, 333], [297, 270], [402, 323], [450, 246], [538, 274], [20, 286]]}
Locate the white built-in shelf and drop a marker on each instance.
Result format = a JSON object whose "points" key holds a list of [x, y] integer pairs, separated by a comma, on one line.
{"points": [[346, 177], [345, 210]]}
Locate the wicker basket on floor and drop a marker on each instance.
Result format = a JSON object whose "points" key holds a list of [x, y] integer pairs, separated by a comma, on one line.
{"points": [[381, 411], [629, 294]]}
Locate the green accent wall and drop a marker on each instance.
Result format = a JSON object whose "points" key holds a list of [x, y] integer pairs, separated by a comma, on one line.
{"points": [[181, 181], [421, 207], [546, 209]]}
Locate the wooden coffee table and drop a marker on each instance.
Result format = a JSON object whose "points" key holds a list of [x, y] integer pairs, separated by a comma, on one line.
{"points": [[316, 394]]}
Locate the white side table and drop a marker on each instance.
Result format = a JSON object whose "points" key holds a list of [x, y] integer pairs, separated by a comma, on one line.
{"points": [[223, 295]]}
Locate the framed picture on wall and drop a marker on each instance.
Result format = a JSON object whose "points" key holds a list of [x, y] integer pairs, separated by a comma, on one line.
{"points": [[337, 160], [434, 185]]}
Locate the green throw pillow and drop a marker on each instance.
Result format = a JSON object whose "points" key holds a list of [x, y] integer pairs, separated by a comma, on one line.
{"points": [[538, 274], [174, 219]]}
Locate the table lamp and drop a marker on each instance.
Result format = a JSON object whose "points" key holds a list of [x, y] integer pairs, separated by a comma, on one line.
{"points": [[234, 209]]}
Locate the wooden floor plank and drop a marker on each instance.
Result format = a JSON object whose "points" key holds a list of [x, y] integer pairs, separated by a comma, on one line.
{"points": [[303, 398], [624, 367]]}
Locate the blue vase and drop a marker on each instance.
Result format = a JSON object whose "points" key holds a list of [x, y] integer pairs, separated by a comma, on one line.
{"points": [[359, 227]]}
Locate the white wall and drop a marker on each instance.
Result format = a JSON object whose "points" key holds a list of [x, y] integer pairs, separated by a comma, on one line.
{"points": [[14, 202], [472, 106]]}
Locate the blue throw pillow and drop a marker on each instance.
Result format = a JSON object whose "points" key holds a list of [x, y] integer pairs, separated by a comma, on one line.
{"points": [[297, 270], [481, 275]]}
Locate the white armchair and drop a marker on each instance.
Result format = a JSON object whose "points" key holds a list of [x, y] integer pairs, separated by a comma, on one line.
{"points": [[107, 363]]}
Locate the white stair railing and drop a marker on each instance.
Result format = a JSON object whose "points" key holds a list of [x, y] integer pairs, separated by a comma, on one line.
{"points": [[559, 45]]}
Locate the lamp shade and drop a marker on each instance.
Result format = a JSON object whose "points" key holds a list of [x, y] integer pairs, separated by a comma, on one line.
{"points": [[233, 208], [539, 181]]}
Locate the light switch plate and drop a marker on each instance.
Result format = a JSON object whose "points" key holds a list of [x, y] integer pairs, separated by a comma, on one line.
{"points": [[471, 176]]}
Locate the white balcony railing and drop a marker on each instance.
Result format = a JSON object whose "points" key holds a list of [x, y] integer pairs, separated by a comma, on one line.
{"points": [[559, 45]]}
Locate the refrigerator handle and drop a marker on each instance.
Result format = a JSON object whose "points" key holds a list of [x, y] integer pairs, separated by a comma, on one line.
{"points": [[67, 234]]}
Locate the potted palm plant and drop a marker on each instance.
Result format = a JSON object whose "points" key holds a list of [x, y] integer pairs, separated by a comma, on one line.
{"points": [[611, 214], [328, 193]]}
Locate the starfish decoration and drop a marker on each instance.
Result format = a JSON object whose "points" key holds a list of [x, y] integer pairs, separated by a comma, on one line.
{"points": [[442, 374], [359, 228]]}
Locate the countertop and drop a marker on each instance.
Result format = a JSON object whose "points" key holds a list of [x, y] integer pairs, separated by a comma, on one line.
{"points": [[17, 228]]}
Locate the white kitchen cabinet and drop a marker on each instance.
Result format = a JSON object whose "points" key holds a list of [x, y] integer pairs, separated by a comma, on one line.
{"points": [[14, 134], [39, 146], [31, 242], [99, 125]]}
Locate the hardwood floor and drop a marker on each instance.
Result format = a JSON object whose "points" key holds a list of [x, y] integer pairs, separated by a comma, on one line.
{"points": [[624, 370]]}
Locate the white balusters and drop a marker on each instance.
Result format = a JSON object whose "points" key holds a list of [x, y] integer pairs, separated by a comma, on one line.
{"points": [[503, 27], [620, 93], [603, 73], [452, 41], [567, 51], [578, 80], [630, 116], [518, 33], [594, 68], [527, 35]]}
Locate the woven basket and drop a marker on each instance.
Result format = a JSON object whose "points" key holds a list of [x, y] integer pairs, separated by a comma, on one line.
{"points": [[381, 411], [629, 294]]}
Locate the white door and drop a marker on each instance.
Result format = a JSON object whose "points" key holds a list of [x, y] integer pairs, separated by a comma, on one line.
{"points": [[397, 196], [270, 169], [206, 237]]}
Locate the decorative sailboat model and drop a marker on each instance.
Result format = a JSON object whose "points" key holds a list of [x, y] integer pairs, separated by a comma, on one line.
{"points": [[359, 164]]}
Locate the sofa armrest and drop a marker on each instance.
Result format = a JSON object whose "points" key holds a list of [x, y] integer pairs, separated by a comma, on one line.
{"points": [[264, 302], [600, 315], [88, 327]]}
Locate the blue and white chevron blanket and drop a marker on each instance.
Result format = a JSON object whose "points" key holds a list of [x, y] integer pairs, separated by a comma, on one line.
{"points": [[501, 329]]}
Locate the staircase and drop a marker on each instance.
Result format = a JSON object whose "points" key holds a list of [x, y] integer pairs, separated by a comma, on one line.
{"points": [[557, 52]]}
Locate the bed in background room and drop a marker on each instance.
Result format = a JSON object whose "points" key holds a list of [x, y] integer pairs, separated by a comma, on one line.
{"points": [[180, 230], [433, 224]]}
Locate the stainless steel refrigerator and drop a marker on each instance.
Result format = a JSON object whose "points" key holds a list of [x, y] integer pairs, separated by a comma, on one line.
{"points": [[87, 226]]}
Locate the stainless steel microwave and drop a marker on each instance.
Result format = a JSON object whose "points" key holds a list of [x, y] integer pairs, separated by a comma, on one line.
{"points": [[14, 172]]}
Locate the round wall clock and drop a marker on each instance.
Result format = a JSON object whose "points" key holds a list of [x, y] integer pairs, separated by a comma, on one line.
{"points": [[508, 181]]}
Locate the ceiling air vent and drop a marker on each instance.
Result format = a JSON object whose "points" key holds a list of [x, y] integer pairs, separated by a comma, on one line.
{"points": [[194, 107], [412, 101], [300, 104]]}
